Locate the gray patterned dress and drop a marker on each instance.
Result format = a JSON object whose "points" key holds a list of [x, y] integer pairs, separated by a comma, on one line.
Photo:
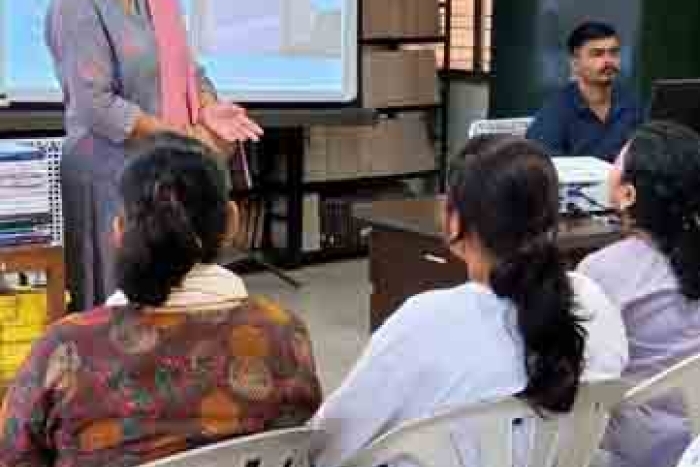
{"points": [[106, 61]]}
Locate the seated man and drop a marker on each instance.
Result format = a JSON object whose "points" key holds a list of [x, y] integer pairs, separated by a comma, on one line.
{"points": [[593, 115]]}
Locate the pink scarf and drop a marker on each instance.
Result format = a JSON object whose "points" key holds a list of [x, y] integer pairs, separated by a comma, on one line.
{"points": [[178, 76]]}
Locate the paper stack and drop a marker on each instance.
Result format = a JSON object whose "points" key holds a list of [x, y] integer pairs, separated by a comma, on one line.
{"points": [[25, 215]]}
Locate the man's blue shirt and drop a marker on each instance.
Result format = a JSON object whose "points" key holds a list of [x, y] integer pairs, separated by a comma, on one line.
{"points": [[568, 127]]}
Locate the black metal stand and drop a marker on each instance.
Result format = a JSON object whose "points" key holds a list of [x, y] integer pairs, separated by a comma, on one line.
{"points": [[238, 258]]}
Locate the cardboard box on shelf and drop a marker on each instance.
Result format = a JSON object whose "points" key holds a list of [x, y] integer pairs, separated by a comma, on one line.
{"points": [[400, 18], [426, 90], [402, 146], [315, 156], [392, 146], [421, 18], [343, 150], [371, 145], [380, 18], [399, 78]]}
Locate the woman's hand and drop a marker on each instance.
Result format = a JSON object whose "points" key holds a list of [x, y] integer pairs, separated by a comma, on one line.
{"points": [[230, 122]]}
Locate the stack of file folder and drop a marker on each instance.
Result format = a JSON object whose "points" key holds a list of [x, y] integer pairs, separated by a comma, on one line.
{"points": [[25, 214]]}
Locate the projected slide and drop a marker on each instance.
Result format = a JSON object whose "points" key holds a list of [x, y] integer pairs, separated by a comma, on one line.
{"points": [[260, 51], [26, 68], [277, 26]]}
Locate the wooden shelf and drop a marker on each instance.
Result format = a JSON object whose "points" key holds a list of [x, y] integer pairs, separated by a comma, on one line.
{"points": [[408, 40], [371, 180], [355, 183], [292, 189], [408, 108]]}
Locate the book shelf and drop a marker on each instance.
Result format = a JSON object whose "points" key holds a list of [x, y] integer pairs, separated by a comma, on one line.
{"points": [[283, 169]]}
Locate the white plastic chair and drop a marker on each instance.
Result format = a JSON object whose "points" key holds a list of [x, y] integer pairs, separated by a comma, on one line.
{"points": [[278, 448], [430, 442], [683, 377], [691, 456], [511, 126]]}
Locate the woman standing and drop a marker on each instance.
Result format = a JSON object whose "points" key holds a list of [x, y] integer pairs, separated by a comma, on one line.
{"points": [[126, 72]]}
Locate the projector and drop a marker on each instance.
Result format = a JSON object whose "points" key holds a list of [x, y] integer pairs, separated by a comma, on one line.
{"points": [[583, 185]]}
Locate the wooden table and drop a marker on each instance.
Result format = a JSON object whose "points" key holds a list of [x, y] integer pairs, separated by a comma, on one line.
{"points": [[48, 258], [408, 254]]}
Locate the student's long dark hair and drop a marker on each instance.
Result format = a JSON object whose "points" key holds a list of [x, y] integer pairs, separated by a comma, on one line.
{"points": [[175, 210], [504, 189], [663, 163]]}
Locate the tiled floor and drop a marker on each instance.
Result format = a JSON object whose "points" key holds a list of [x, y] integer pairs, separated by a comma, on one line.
{"points": [[334, 303]]}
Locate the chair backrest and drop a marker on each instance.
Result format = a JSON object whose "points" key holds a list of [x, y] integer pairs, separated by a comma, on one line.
{"points": [[511, 126], [431, 442], [682, 377], [691, 456], [278, 448]]}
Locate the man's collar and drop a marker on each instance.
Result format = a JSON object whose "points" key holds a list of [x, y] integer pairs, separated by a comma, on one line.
{"points": [[577, 97], [618, 103]]}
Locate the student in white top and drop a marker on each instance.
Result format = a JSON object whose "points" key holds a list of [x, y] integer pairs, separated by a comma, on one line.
{"points": [[521, 326]]}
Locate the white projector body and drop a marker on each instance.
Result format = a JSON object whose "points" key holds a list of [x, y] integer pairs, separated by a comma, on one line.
{"points": [[583, 184]]}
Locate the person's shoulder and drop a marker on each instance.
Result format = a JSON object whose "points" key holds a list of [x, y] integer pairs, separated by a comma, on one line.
{"points": [[626, 93], [420, 311], [72, 329], [446, 297], [630, 270], [96, 317], [420, 316], [561, 97], [584, 287], [274, 313], [612, 257], [606, 342], [84, 325], [593, 305], [629, 99], [557, 105]]}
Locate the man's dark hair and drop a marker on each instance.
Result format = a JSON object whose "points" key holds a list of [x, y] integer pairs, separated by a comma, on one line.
{"points": [[589, 31]]}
